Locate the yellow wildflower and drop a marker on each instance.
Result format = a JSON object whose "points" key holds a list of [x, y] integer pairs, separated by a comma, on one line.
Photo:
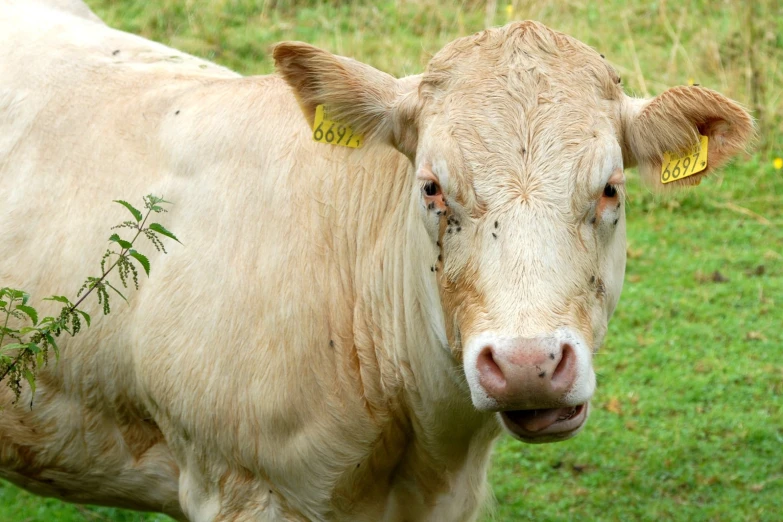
{"points": [[509, 12], [778, 163]]}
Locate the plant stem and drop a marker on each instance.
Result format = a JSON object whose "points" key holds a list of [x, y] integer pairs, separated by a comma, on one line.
{"points": [[7, 316], [13, 364], [123, 252], [19, 355]]}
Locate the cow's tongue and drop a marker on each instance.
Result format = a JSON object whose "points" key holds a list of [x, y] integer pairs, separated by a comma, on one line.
{"points": [[537, 420]]}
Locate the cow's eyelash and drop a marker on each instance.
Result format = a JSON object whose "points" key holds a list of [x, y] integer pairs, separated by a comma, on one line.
{"points": [[613, 191], [431, 188]]}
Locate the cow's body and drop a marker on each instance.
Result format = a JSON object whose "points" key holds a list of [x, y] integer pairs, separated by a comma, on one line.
{"points": [[206, 140], [283, 363]]}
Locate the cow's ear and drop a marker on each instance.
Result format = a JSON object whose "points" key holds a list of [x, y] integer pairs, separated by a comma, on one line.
{"points": [[371, 102], [672, 122]]}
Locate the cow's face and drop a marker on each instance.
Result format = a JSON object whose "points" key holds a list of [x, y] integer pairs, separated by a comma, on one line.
{"points": [[518, 137], [522, 183]]}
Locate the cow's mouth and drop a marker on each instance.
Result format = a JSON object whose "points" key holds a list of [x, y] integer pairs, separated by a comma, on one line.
{"points": [[546, 425]]}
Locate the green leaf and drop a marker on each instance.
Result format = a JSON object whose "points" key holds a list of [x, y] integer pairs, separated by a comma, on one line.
{"points": [[13, 346], [117, 239], [157, 227], [118, 292], [34, 348], [14, 293], [28, 375], [29, 311], [3, 304], [153, 201], [142, 259], [133, 210], [27, 329], [85, 315], [59, 299], [17, 295], [53, 344]]}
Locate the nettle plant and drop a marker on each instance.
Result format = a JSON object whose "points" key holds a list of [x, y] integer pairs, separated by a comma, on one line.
{"points": [[32, 339]]}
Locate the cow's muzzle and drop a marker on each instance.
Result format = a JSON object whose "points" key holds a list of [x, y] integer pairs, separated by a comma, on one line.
{"points": [[540, 386]]}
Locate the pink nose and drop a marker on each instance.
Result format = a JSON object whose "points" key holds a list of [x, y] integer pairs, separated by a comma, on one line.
{"points": [[528, 373]]}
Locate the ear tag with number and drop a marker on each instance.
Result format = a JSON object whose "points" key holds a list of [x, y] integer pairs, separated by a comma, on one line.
{"points": [[679, 165], [334, 132]]}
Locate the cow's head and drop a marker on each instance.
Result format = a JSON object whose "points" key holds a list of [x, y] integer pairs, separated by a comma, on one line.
{"points": [[519, 137]]}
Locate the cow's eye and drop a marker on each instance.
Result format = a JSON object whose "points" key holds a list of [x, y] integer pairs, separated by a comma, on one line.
{"points": [[609, 191], [431, 188]]}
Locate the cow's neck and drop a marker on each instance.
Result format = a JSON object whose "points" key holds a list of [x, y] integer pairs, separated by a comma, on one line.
{"points": [[419, 389]]}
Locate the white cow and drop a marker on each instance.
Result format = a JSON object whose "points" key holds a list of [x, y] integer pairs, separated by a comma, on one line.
{"points": [[345, 330]]}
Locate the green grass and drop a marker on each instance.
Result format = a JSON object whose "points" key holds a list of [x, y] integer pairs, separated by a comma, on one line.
{"points": [[687, 422]]}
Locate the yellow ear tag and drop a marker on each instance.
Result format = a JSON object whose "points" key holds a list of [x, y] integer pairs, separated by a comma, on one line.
{"points": [[334, 132], [686, 163]]}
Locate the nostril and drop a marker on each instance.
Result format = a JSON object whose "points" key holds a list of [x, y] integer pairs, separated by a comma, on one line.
{"points": [[491, 375], [565, 372]]}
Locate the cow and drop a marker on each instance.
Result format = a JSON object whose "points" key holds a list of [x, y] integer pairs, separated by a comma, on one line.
{"points": [[344, 331]]}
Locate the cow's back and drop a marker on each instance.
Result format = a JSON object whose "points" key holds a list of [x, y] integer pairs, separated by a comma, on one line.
{"points": [[72, 7]]}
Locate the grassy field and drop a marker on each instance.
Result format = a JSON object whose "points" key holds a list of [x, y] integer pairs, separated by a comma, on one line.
{"points": [[688, 417]]}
